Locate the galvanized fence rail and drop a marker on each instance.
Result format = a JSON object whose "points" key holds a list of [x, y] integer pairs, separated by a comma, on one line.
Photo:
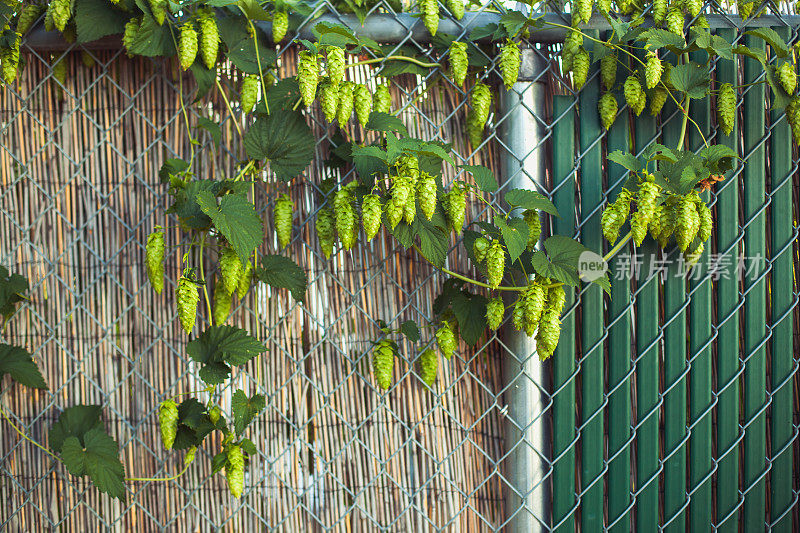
{"points": [[671, 406]]}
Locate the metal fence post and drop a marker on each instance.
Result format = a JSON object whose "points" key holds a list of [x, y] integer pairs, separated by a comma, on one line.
{"points": [[526, 428]]}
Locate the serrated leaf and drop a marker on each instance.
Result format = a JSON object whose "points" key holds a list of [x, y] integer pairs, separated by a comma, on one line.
{"points": [[172, 167], [282, 273], [241, 48], [212, 128], [627, 160], [95, 19], [410, 329], [220, 346], [433, 239], [153, 40], [656, 38], [18, 363], [484, 178], [98, 457], [691, 79], [450, 288], [470, 312], [283, 138], [218, 462], [758, 55], [244, 409], [530, 200], [12, 291], [204, 77], [253, 10], [193, 424], [719, 158], [775, 41], [187, 207], [561, 261], [235, 217], [515, 235], [491, 30], [332, 34], [75, 422], [659, 152], [513, 22], [283, 94], [385, 122], [248, 447], [713, 44]]}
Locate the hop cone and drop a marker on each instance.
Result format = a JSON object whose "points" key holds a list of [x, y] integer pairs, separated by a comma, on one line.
{"points": [[706, 220], [280, 25], [692, 257], [209, 38], [187, 45], [307, 76], [687, 222], [394, 213], [674, 21], [345, 217], [481, 103], [345, 109], [234, 470], [362, 100], [402, 186], [495, 264], [583, 10], [168, 422], [230, 267], [548, 334], [382, 99], [787, 76], [336, 64], [244, 280], [459, 62], [222, 304], [604, 6], [666, 224], [410, 207], [535, 298], [455, 204], [653, 70], [793, 118], [29, 14], [510, 60], [249, 93], [745, 9], [495, 311], [428, 366], [329, 99], [159, 10], [645, 209], [155, 260], [456, 7], [282, 218], [518, 315], [187, 299], [572, 43], [632, 90], [608, 70], [726, 107], [446, 339], [659, 11], [426, 193], [531, 217], [580, 67], [10, 60], [371, 213], [430, 14], [62, 11], [325, 230], [383, 363], [693, 7], [657, 100], [480, 247], [607, 107], [556, 299]]}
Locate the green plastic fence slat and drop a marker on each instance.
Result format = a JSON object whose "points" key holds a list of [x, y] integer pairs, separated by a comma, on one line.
{"points": [[674, 368], [755, 316], [591, 185], [700, 461], [564, 356], [646, 308], [619, 361], [782, 321], [727, 295]]}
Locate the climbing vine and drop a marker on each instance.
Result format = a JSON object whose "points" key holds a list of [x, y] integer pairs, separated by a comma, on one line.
{"points": [[649, 56]]}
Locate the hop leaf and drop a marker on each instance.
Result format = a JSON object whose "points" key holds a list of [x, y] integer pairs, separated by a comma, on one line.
{"points": [[222, 304], [510, 61], [249, 93], [426, 192], [345, 217], [282, 219], [608, 70], [455, 204], [383, 363], [459, 62], [362, 100], [446, 339], [607, 107], [382, 99], [168, 422], [209, 38], [155, 259], [548, 333], [335, 58], [657, 100], [428, 366], [234, 470], [726, 107], [531, 217], [187, 45], [787, 76], [495, 263], [230, 267], [652, 70], [187, 299], [456, 7], [307, 76], [345, 108], [371, 211], [495, 311], [280, 25], [430, 14], [325, 231], [580, 67]]}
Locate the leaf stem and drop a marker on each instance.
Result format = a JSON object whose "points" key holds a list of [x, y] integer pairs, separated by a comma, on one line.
{"points": [[170, 478], [205, 284], [468, 279], [24, 436], [258, 61], [393, 58], [230, 108]]}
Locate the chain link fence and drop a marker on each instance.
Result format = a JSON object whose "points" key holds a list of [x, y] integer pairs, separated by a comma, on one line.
{"points": [[671, 406]]}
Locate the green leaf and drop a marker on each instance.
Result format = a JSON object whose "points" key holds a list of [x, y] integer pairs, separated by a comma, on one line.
{"points": [[95, 19], [245, 409], [212, 128], [172, 167], [491, 30], [719, 158], [220, 346], [691, 79], [193, 424], [780, 98], [775, 41], [434, 241], [253, 10], [515, 235], [713, 44], [12, 291], [248, 447], [470, 312], [627, 160], [437, 150], [98, 457], [282, 273], [284, 139], [561, 261], [75, 422], [235, 33], [530, 200], [659, 152], [513, 22], [758, 55], [205, 79], [152, 40], [235, 217], [18, 363], [282, 95], [332, 34], [656, 38], [218, 462], [410, 329], [484, 178], [385, 122]]}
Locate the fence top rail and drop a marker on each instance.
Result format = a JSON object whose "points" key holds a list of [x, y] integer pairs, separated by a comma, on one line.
{"points": [[395, 28]]}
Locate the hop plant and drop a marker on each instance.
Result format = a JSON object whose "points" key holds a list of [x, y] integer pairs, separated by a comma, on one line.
{"points": [[335, 58], [307, 76], [27, 17], [410, 207], [234, 470], [382, 99], [632, 90], [659, 11], [666, 223], [474, 129], [325, 230], [214, 414], [249, 93], [706, 219], [479, 248], [787, 76], [607, 107], [531, 217], [548, 333], [572, 43], [346, 91], [428, 366], [674, 21], [652, 70], [159, 10], [495, 263], [362, 100], [280, 25], [155, 259], [687, 222], [345, 217], [426, 193], [187, 298], [726, 107], [615, 215], [518, 314], [209, 38], [244, 280], [510, 60], [459, 62], [495, 311], [456, 7], [580, 67], [608, 70], [168, 422], [446, 339], [556, 299], [455, 204], [187, 45], [657, 100], [535, 298], [481, 103], [61, 11], [231, 269], [282, 219], [222, 304], [693, 7], [430, 14], [583, 11], [371, 212], [329, 99], [645, 209], [383, 363]]}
